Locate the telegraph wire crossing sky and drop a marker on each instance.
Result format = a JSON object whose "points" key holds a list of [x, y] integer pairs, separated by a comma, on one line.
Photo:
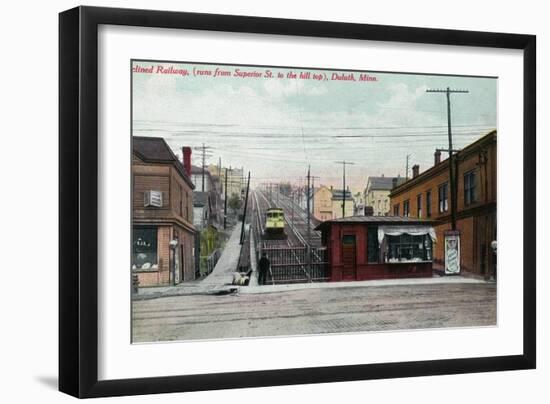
{"points": [[276, 127]]}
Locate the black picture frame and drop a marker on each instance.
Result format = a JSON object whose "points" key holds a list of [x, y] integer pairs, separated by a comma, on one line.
{"points": [[78, 206]]}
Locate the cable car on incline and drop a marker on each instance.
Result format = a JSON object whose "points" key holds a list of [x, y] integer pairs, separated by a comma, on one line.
{"points": [[275, 224]]}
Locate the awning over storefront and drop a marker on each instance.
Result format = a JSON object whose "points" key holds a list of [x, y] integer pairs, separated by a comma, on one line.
{"points": [[413, 230]]}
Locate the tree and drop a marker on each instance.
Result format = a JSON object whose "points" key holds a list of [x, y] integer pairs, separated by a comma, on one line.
{"points": [[285, 188], [209, 240], [234, 202]]}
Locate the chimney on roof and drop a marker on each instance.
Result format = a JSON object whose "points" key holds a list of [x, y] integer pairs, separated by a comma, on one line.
{"points": [[394, 182], [437, 157], [186, 151], [416, 170]]}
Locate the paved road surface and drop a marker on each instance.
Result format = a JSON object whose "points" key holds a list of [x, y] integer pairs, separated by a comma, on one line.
{"points": [[314, 311]]}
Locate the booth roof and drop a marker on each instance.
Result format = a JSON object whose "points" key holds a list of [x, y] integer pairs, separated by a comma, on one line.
{"points": [[388, 220]]}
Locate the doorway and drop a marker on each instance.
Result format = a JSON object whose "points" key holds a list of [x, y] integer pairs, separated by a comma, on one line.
{"points": [[349, 254]]}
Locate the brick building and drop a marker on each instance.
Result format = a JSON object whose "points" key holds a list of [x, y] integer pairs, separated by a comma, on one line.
{"points": [[162, 208], [426, 195]]}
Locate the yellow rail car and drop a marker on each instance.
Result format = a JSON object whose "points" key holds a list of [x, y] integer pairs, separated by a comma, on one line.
{"points": [[275, 224]]}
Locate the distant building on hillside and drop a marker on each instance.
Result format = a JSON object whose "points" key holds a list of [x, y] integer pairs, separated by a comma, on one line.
{"points": [[377, 193], [359, 199], [322, 203], [207, 204], [342, 200]]}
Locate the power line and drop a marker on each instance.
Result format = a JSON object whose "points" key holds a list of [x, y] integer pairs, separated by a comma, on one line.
{"points": [[328, 133], [271, 127]]}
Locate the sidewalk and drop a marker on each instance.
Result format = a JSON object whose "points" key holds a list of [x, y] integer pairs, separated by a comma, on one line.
{"points": [[222, 274], [256, 289], [357, 284], [219, 281]]}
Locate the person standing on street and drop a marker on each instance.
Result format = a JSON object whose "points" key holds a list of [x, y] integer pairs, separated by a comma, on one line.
{"points": [[263, 266]]}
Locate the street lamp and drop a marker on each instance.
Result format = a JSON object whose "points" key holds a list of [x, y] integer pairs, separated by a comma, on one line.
{"points": [[493, 269], [173, 244]]}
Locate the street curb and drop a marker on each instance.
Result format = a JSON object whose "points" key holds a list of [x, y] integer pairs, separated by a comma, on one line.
{"points": [[234, 289], [358, 284]]}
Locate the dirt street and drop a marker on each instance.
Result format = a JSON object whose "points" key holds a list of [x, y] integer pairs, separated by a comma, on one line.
{"points": [[314, 311]]}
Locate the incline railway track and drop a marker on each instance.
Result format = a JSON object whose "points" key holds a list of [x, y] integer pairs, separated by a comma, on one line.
{"points": [[296, 217], [262, 204], [289, 257]]}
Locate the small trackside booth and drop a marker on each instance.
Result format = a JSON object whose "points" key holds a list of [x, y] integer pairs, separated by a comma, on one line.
{"points": [[378, 247]]}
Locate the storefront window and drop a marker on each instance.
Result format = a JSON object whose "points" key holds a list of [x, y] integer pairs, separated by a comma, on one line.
{"points": [[144, 248], [409, 248]]}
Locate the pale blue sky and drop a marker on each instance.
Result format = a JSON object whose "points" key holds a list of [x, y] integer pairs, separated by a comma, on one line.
{"points": [[277, 127]]}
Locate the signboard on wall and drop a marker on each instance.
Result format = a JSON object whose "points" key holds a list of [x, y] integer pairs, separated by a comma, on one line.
{"points": [[452, 252]]}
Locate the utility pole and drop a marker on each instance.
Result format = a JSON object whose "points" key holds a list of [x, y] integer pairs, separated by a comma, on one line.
{"points": [[292, 194], [225, 203], [452, 180], [308, 204], [344, 162], [300, 187], [312, 193], [308, 221], [241, 189], [206, 152], [245, 207]]}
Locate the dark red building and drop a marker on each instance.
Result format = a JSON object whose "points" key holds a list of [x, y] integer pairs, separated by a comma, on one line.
{"points": [[378, 247]]}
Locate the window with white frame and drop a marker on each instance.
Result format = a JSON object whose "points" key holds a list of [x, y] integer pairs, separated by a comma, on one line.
{"points": [[406, 208], [470, 187], [443, 198]]}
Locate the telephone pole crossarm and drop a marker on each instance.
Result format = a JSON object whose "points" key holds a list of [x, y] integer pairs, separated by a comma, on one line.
{"points": [[445, 90]]}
